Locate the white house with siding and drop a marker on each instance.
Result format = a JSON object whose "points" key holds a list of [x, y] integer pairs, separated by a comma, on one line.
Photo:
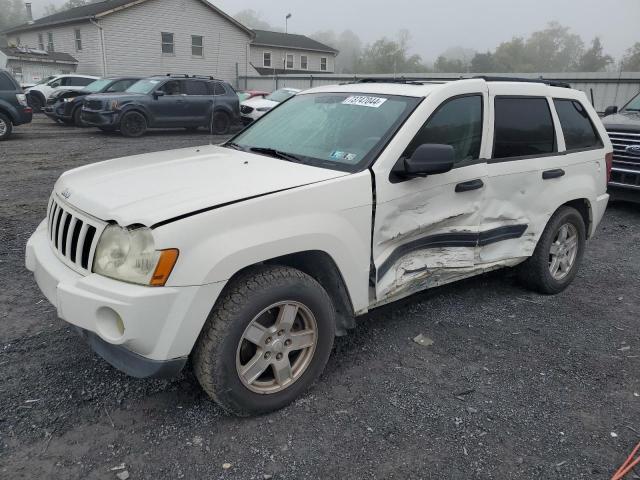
{"points": [[281, 53], [143, 37]]}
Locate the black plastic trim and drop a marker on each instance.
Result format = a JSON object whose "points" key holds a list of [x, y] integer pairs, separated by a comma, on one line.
{"points": [[461, 239], [130, 362]]}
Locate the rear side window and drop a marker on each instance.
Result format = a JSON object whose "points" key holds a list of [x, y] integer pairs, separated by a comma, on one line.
{"points": [[457, 122], [197, 87], [523, 127], [576, 125], [218, 89], [6, 82]]}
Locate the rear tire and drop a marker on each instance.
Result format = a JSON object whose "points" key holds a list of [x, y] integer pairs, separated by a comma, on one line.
{"points": [[5, 127], [220, 123], [287, 360], [557, 257], [133, 124]]}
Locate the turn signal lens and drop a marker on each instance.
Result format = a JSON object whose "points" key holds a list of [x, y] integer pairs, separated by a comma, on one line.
{"points": [[165, 265]]}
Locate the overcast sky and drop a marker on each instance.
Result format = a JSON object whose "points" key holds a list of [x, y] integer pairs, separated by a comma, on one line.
{"points": [[436, 25]]}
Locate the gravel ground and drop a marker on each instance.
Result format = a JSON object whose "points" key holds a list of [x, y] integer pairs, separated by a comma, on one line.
{"points": [[515, 385]]}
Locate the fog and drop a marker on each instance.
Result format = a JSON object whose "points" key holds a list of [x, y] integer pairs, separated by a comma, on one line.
{"points": [[438, 25]]}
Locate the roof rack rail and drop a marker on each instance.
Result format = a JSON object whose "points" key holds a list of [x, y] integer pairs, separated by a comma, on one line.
{"points": [[404, 80], [551, 83], [181, 75]]}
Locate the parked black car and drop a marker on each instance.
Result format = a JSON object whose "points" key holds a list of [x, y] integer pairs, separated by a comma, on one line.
{"points": [[13, 105], [66, 105], [170, 101], [623, 127]]}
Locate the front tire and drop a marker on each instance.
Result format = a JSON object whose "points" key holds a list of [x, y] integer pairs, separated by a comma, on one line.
{"points": [[557, 257], [267, 339], [77, 118], [5, 127], [133, 124]]}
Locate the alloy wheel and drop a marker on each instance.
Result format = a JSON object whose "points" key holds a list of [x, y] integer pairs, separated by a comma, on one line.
{"points": [[563, 251], [277, 347]]}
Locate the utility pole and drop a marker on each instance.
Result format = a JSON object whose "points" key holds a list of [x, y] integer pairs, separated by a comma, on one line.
{"points": [[286, 23]]}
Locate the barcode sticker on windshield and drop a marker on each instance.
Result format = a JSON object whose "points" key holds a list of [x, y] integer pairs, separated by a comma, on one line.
{"points": [[364, 101]]}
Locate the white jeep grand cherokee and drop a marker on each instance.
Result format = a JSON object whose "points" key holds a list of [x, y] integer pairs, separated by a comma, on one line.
{"points": [[251, 256]]}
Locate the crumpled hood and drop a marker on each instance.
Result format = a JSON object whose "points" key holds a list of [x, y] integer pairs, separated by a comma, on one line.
{"points": [[154, 187], [625, 121]]}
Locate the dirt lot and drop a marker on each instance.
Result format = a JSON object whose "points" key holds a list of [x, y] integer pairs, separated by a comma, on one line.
{"points": [[516, 385]]}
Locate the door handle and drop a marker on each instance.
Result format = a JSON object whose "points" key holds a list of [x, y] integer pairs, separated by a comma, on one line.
{"points": [[470, 185], [555, 173]]}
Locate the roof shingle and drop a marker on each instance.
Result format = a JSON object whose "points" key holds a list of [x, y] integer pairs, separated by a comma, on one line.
{"points": [[290, 40]]}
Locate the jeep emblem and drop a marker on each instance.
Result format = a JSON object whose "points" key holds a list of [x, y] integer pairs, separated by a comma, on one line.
{"points": [[66, 193], [633, 150]]}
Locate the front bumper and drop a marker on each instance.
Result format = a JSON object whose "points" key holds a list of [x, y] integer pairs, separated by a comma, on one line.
{"points": [[100, 119], [143, 331], [57, 111]]}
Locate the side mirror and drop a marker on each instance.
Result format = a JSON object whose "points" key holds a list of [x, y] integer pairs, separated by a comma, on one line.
{"points": [[610, 110], [158, 93], [427, 159]]}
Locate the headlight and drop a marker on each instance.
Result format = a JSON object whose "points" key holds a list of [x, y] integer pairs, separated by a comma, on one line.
{"points": [[263, 109], [130, 255], [68, 99]]}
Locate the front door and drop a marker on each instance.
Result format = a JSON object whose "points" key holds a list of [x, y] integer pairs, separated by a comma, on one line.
{"points": [[168, 110], [426, 229]]}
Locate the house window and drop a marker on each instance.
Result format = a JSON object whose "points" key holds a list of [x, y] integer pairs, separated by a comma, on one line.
{"points": [[78, 39], [289, 61], [167, 43], [197, 46], [266, 59], [50, 47], [40, 41], [323, 64], [304, 62]]}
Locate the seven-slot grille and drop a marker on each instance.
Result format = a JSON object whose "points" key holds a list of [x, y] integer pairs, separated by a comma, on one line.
{"points": [[72, 236], [626, 165]]}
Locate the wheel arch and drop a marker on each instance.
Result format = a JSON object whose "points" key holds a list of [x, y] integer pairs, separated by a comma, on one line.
{"points": [[8, 113], [321, 267], [583, 206]]}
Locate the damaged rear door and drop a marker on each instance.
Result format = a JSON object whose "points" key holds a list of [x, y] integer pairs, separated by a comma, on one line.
{"points": [[426, 229]]}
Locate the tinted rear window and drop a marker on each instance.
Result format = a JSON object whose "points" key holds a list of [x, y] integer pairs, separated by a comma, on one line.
{"points": [[197, 87], [6, 82], [218, 89], [576, 125], [523, 127]]}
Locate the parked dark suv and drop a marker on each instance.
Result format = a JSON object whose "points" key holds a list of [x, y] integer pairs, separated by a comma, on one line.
{"points": [[623, 127], [13, 105], [66, 105], [170, 101]]}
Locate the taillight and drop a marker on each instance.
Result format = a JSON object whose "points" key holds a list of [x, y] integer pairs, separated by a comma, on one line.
{"points": [[608, 158]]}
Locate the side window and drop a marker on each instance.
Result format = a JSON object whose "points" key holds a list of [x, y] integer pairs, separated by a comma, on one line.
{"points": [[523, 127], [78, 81], [576, 125], [197, 87], [457, 122], [218, 89], [172, 87]]}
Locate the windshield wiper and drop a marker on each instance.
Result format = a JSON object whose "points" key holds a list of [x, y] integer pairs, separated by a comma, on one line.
{"points": [[233, 145], [277, 154]]}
